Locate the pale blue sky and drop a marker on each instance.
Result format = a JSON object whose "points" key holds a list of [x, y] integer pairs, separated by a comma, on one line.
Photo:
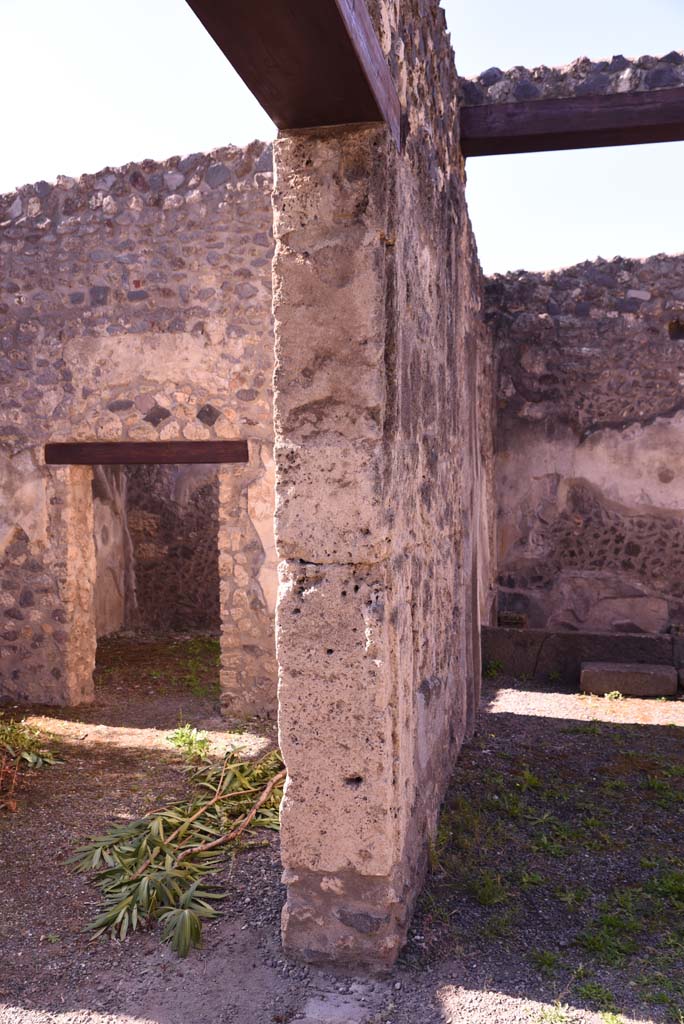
{"points": [[87, 83]]}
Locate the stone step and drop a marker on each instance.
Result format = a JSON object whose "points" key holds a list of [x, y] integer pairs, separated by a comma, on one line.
{"points": [[631, 680]]}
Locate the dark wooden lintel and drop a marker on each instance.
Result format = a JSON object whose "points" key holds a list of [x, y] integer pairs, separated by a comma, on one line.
{"points": [[309, 63], [578, 122], [151, 453]]}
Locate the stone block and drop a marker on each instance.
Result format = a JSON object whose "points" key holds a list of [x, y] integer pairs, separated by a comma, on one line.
{"points": [[631, 680], [330, 503]]}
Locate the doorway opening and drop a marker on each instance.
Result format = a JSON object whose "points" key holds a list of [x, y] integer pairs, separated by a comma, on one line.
{"points": [[170, 538], [157, 592]]}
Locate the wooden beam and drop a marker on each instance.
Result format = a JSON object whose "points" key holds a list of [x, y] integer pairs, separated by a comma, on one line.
{"points": [[308, 62], [579, 122], [150, 453]]}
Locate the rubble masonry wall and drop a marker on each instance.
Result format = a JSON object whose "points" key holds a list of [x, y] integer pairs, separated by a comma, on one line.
{"points": [[134, 305], [590, 444], [582, 77]]}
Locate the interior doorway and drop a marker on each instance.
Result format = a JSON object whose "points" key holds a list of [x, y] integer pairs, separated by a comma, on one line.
{"points": [[148, 556]]}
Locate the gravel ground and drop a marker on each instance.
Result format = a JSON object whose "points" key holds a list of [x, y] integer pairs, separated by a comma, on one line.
{"points": [[556, 893]]}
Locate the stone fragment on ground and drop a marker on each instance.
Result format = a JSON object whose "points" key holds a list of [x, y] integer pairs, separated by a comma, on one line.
{"points": [[334, 1009]]}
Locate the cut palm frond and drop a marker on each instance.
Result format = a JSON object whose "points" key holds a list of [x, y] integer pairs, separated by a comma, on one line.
{"points": [[153, 869]]}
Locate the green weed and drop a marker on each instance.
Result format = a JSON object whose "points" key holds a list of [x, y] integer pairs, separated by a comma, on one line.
{"points": [[573, 898], [488, 889], [192, 743], [556, 1014], [530, 878], [597, 994], [545, 960]]}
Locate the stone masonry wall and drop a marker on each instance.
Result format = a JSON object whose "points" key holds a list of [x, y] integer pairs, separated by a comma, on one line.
{"points": [[382, 409], [134, 305], [583, 77], [590, 444]]}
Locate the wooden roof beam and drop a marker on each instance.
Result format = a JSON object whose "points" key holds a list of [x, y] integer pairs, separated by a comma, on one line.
{"points": [[145, 453], [308, 62], [578, 122]]}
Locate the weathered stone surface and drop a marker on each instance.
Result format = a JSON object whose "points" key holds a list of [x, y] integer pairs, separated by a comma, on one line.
{"points": [[582, 77], [141, 310], [383, 521], [630, 680], [590, 444]]}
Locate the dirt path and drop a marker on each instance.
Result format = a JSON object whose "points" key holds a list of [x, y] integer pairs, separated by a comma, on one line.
{"points": [[558, 872]]}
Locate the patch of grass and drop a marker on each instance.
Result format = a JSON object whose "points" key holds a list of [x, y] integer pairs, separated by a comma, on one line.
{"points": [[613, 695], [573, 896], [488, 889], [193, 743], [611, 938], [592, 728], [665, 795], [528, 780], [197, 661], [512, 804], [499, 925], [545, 960], [655, 911], [614, 785], [556, 1014], [529, 821], [601, 997], [530, 878], [436, 909], [665, 986], [548, 846]]}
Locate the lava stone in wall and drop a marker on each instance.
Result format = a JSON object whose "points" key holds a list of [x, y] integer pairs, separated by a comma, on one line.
{"points": [[583, 77]]}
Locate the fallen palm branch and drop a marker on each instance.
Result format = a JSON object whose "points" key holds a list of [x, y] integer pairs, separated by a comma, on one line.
{"points": [[154, 869]]}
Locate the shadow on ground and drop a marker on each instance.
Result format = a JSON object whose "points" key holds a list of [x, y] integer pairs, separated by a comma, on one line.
{"points": [[556, 891]]}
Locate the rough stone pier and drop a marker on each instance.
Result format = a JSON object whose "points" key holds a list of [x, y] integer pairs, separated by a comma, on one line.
{"points": [[382, 411]]}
